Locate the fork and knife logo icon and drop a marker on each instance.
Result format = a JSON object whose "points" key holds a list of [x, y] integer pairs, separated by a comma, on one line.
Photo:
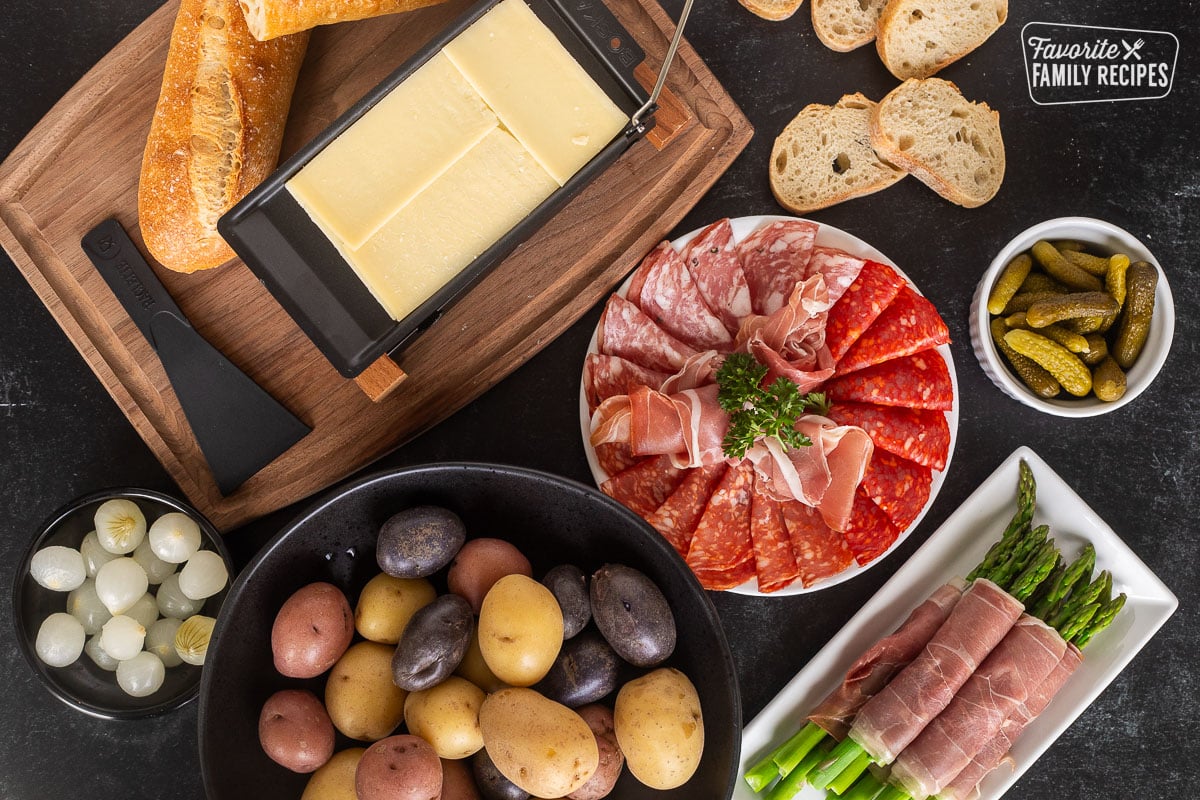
{"points": [[1132, 49]]}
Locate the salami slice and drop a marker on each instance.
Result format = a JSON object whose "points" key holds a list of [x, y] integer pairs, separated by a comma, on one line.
{"points": [[775, 258], [644, 486], [921, 380], [727, 579], [721, 542], [615, 457], [626, 331], [712, 259], [608, 376], [898, 486], [820, 551], [677, 517], [774, 562], [870, 532], [839, 268], [663, 288], [908, 325], [916, 434], [871, 292]]}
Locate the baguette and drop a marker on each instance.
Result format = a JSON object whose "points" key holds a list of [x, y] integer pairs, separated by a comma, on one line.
{"points": [[916, 38], [845, 25], [216, 130], [824, 156], [950, 144], [268, 19]]}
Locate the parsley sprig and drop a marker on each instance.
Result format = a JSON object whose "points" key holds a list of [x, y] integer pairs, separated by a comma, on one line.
{"points": [[756, 411]]}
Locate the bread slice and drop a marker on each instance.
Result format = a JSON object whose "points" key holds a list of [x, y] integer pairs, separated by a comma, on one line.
{"points": [[774, 10], [916, 38], [824, 156], [845, 25], [950, 144]]}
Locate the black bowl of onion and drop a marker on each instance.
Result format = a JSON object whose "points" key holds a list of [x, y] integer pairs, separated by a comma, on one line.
{"points": [[116, 599]]}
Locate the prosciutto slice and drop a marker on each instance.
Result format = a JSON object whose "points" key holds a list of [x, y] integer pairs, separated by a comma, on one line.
{"points": [[894, 717], [791, 341], [1005, 680], [775, 258], [874, 668], [663, 288], [626, 331], [687, 425], [713, 261], [995, 752], [823, 475]]}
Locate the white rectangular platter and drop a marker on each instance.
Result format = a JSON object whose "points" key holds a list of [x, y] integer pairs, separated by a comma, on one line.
{"points": [[953, 550]]}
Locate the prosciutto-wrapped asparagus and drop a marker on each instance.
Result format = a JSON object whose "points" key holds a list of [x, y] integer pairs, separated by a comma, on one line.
{"points": [[995, 752], [895, 716], [875, 667], [1006, 679]]}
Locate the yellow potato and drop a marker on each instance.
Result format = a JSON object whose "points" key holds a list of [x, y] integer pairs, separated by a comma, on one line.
{"points": [[361, 699], [520, 630], [447, 716], [542, 746], [475, 669], [335, 780], [387, 604], [660, 728]]}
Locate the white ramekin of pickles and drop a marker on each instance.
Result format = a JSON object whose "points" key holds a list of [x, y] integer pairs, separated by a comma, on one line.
{"points": [[1074, 317], [117, 600]]}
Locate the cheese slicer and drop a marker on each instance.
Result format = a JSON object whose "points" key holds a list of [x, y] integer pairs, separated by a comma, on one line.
{"points": [[239, 427]]}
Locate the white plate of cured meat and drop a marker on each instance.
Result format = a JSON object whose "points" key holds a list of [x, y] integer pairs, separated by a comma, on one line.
{"points": [[886, 367], [952, 551]]}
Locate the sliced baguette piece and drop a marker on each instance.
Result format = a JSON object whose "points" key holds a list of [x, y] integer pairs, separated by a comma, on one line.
{"points": [[845, 25], [916, 38], [773, 10], [950, 144], [824, 156]]}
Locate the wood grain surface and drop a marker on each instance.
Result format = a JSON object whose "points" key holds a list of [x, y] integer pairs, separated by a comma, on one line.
{"points": [[80, 166]]}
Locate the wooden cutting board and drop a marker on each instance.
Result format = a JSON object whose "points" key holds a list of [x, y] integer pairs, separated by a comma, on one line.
{"points": [[80, 165]]}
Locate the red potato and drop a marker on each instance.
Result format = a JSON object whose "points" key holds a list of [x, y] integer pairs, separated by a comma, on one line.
{"points": [[482, 562], [600, 719], [311, 631], [457, 781], [402, 767], [295, 731]]}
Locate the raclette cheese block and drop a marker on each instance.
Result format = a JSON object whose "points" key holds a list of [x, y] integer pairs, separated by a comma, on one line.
{"points": [[467, 209], [538, 90], [393, 152]]}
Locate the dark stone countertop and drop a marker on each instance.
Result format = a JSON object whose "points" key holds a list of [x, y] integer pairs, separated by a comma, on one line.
{"points": [[1131, 163]]}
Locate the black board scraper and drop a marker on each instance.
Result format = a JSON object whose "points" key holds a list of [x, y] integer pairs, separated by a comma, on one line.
{"points": [[239, 427]]}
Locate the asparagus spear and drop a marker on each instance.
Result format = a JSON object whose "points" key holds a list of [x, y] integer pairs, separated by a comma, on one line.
{"points": [[1084, 595], [1028, 580], [1079, 570], [865, 789], [1099, 622], [1026, 499]]}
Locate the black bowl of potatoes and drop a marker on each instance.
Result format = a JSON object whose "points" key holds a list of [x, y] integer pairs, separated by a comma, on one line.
{"points": [[468, 631]]}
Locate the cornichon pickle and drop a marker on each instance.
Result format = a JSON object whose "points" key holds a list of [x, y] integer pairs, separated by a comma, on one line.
{"points": [[1108, 380], [1039, 381], [1070, 306], [1041, 282], [1096, 265], [1071, 373], [1011, 278], [1062, 270], [1023, 300], [1074, 342], [1086, 325], [1114, 279], [1141, 280], [1097, 350], [1068, 244]]}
